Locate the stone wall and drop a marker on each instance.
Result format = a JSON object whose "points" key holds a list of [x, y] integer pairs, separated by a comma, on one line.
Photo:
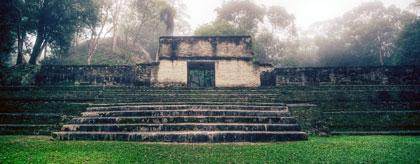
{"points": [[172, 73], [354, 109], [95, 75], [389, 75], [350, 100], [228, 73], [237, 73], [205, 47]]}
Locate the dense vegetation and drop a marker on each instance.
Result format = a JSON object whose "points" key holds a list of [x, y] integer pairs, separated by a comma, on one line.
{"points": [[338, 149], [54, 31], [127, 32], [370, 34]]}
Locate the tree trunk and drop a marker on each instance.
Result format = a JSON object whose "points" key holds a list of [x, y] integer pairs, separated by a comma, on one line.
{"points": [[148, 56], [89, 60], [44, 49], [76, 39], [115, 22], [114, 33], [37, 49], [93, 45], [381, 57], [95, 37], [114, 39], [92, 50], [21, 38]]}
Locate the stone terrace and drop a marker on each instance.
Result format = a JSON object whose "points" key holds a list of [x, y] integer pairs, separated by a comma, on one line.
{"points": [[338, 109], [151, 114]]}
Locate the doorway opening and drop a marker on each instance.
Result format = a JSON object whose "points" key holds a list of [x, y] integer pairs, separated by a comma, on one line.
{"points": [[201, 74]]}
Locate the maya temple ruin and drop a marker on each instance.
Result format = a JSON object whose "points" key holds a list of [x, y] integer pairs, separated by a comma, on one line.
{"points": [[208, 62], [208, 89]]}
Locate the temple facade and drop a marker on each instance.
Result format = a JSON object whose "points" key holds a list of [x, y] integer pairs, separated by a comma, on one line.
{"points": [[207, 61]]}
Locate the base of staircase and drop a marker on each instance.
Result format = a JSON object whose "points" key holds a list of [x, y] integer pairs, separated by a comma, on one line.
{"points": [[185, 136]]}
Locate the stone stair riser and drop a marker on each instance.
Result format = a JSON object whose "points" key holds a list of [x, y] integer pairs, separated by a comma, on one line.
{"points": [[176, 127], [191, 138], [181, 119], [184, 113], [183, 107]]}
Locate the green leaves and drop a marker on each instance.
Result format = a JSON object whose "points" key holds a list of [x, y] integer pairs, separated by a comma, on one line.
{"points": [[363, 36], [408, 45], [244, 17], [52, 22], [242, 14]]}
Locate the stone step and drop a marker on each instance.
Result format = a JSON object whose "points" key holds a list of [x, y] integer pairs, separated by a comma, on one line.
{"points": [[28, 129], [46, 96], [185, 103], [186, 112], [161, 100], [183, 119], [169, 93], [29, 118], [205, 91], [197, 98], [140, 88], [185, 136], [60, 108], [181, 127], [237, 97], [178, 107], [136, 90], [193, 98], [187, 94]]}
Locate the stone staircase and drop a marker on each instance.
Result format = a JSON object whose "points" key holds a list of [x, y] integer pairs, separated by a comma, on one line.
{"points": [[184, 123], [345, 109]]}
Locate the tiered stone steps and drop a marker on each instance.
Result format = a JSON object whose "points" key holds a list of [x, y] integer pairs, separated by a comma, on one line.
{"points": [[184, 123], [344, 109]]}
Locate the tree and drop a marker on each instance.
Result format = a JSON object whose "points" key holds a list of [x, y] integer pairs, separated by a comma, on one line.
{"points": [[6, 27], [363, 36], [21, 19], [267, 46], [285, 44], [104, 8], [167, 16], [415, 6], [116, 14], [144, 22], [219, 28], [244, 15], [182, 27], [56, 21], [279, 17], [126, 32], [408, 45]]}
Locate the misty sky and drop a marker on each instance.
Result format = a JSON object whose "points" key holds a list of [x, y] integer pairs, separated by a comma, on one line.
{"points": [[305, 11]]}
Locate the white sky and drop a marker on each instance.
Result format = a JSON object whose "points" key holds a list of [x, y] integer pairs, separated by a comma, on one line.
{"points": [[306, 12]]}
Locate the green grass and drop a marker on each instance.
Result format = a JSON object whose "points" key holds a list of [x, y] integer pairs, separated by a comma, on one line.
{"points": [[337, 149]]}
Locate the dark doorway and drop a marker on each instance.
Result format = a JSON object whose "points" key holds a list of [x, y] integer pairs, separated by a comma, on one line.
{"points": [[201, 75]]}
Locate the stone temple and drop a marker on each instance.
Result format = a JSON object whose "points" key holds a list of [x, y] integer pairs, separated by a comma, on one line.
{"points": [[195, 62], [208, 62], [208, 89]]}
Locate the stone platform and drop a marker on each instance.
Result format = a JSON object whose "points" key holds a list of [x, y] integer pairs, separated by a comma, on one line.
{"points": [[184, 123]]}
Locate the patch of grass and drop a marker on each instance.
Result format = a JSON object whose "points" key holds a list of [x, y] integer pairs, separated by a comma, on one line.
{"points": [[336, 149]]}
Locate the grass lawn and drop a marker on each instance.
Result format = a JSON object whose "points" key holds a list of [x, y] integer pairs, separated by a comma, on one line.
{"points": [[337, 149]]}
